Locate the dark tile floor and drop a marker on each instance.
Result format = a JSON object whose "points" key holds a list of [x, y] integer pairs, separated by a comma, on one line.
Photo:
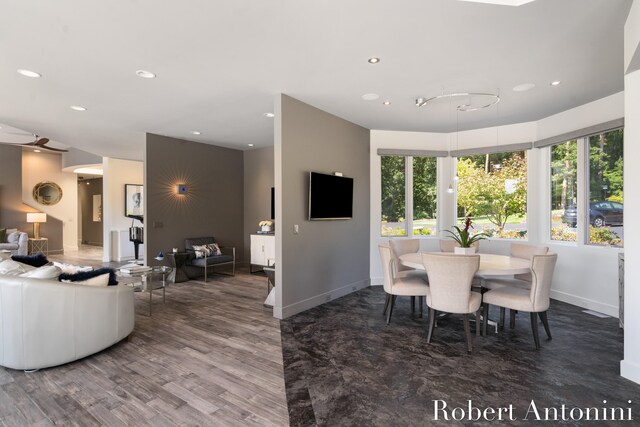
{"points": [[345, 366]]}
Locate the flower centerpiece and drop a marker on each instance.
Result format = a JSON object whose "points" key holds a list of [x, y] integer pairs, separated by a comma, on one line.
{"points": [[266, 225], [464, 238]]}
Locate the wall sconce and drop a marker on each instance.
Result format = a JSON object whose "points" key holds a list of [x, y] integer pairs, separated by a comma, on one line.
{"points": [[36, 218], [181, 188]]}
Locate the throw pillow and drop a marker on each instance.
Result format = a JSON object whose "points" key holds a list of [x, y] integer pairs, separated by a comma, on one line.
{"points": [[214, 248], [13, 237], [9, 267], [70, 268], [37, 260], [44, 272], [3, 235], [86, 275], [202, 250], [101, 280]]}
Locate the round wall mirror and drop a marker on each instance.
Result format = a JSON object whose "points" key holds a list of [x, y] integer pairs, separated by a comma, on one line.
{"points": [[47, 193]]}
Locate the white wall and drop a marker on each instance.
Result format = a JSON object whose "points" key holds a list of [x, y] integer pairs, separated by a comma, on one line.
{"points": [[630, 366], [586, 276], [117, 173], [39, 167]]}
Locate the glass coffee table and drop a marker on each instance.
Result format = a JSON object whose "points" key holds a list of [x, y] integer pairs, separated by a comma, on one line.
{"points": [[142, 281]]}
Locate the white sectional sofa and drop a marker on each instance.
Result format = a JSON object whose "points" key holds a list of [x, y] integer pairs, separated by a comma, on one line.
{"points": [[46, 323]]}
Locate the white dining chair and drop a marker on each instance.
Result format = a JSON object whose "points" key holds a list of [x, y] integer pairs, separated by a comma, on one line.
{"points": [[407, 246], [450, 279], [518, 250], [412, 286], [534, 300]]}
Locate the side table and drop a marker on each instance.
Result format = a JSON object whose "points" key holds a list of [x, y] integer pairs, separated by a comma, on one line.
{"points": [[38, 245], [177, 261]]}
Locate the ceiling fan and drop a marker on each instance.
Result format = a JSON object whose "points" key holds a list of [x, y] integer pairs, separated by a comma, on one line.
{"points": [[41, 144]]}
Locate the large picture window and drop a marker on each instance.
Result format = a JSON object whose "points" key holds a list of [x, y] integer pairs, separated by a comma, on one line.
{"points": [[492, 188], [606, 189], [409, 202]]}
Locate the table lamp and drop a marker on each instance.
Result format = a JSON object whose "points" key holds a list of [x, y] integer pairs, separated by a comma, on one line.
{"points": [[36, 218]]}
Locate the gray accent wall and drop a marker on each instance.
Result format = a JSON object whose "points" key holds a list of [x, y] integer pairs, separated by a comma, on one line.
{"points": [[12, 213], [213, 205], [258, 180], [91, 231], [327, 259]]}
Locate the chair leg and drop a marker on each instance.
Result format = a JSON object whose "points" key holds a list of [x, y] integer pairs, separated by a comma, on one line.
{"points": [[501, 317], [478, 320], [413, 306], [393, 301], [485, 318], [432, 322], [420, 299], [545, 323], [467, 331], [534, 329], [512, 318], [386, 304]]}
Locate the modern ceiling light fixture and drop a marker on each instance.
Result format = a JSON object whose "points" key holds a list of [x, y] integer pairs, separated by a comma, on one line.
{"points": [[501, 2], [386, 103], [370, 96], [29, 73], [555, 83], [474, 101], [145, 74], [373, 60], [196, 132], [250, 145], [269, 115], [78, 108]]}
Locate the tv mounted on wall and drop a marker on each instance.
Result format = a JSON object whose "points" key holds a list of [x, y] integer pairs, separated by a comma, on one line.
{"points": [[330, 197]]}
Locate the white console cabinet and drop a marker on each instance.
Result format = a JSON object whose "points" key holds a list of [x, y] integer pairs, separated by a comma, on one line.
{"points": [[263, 250]]}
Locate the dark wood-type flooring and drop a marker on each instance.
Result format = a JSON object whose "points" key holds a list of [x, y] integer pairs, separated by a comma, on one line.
{"points": [[345, 367], [211, 356]]}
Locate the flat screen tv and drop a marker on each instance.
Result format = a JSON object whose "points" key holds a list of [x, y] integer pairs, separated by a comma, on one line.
{"points": [[330, 197]]}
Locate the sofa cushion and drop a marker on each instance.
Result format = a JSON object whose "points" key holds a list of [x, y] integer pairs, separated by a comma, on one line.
{"points": [[70, 268], [86, 275], [4, 255], [37, 260], [3, 235], [10, 267], [44, 272], [215, 259]]}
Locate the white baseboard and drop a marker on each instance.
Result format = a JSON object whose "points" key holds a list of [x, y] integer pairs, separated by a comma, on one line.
{"points": [[608, 309], [630, 370], [317, 300], [376, 281]]}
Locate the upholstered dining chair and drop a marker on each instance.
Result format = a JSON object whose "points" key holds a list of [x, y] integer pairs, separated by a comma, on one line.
{"points": [[518, 250], [407, 246], [413, 286], [534, 300], [450, 279]]}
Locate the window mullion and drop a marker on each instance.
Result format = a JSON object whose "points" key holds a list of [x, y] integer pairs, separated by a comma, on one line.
{"points": [[582, 226]]}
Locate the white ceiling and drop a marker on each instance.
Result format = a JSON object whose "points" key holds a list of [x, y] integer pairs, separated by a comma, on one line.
{"points": [[220, 63]]}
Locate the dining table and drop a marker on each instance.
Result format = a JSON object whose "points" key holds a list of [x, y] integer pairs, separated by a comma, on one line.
{"points": [[490, 264]]}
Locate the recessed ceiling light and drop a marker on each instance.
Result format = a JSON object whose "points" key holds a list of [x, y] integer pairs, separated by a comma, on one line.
{"points": [[195, 132], [270, 115], [370, 96], [78, 108], [373, 60], [36, 151], [386, 103], [556, 83], [29, 73], [145, 74], [250, 145], [524, 87]]}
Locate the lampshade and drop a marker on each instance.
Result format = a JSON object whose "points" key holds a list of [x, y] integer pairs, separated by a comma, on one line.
{"points": [[36, 217]]}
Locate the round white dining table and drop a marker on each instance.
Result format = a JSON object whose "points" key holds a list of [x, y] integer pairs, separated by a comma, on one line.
{"points": [[490, 264]]}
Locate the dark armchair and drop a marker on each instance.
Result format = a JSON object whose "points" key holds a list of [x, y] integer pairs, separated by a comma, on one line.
{"points": [[209, 261]]}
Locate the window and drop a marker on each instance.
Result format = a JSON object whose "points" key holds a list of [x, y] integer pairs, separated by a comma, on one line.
{"points": [[408, 199], [492, 188], [564, 191], [606, 189]]}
